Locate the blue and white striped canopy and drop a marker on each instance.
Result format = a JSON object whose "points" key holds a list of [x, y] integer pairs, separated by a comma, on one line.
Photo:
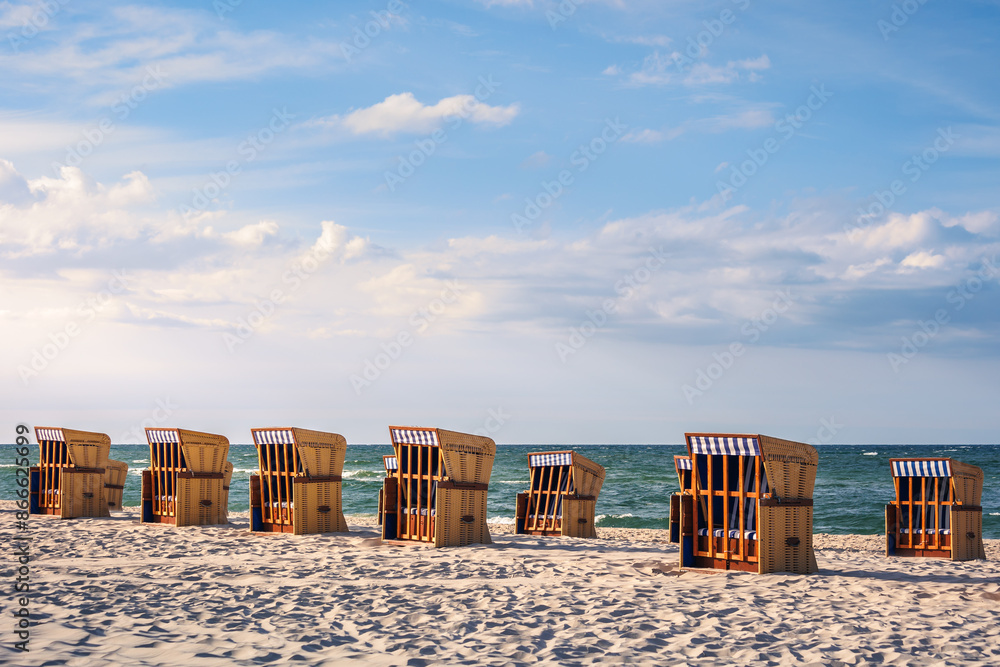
{"points": [[936, 468], [49, 434], [274, 436], [413, 436], [165, 435], [684, 463], [390, 463], [713, 444], [543, 460]]}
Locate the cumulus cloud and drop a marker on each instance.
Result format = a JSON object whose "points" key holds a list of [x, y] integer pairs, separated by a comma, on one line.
{"points": [[403, 113]]}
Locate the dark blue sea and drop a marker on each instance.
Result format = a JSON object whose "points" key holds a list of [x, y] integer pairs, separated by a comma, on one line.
{"points": [[852, 485]]}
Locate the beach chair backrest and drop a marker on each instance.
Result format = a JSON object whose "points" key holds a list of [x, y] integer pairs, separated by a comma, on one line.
{"points": [[64, 449], [192, 454], [420, 467]]}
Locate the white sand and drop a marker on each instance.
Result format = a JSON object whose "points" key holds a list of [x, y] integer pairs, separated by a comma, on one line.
{"points": [[113, 591]]}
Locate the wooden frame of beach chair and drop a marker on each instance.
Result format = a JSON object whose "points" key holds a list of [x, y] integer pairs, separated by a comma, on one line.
{"points": [[750, 507], [561, 497], [71, 476], [186, 479], [937, 510], [683, 466], [298, 487], [114, 484], [437, 493], [391, 465]]}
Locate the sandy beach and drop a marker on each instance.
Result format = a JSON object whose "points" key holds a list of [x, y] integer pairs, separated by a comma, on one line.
{"points": [[113, 591]]}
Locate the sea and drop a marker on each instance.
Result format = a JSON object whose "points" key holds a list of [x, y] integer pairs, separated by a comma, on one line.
{"points": [[853, 482]]}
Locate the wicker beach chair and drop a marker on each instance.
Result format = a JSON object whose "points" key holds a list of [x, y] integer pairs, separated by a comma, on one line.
{"points": [[683, 467], [750, 505], [937, 511], [562, 495], [298, 488], [184, 484], [69, 480], [437, 493]]}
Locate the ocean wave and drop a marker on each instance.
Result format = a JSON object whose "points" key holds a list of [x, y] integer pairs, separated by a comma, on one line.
{"points": [[870, 454], [994, 513], [600, 517], [511, 481], [501, 520], [348, 474]]}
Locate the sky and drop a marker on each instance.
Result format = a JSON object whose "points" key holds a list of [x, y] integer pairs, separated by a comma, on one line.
{"points": [[587, 221]]}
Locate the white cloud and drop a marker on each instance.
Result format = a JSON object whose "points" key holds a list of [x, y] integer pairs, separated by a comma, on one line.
{"points": [[659, 70], [404, 113], [536, 160]]}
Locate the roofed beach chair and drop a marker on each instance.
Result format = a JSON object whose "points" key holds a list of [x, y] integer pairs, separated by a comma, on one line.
{"points": [[562, 495], [683, 466], [437, 492], [937, 510], [186, 479], [69, 480], [750, 506], [298, 488]]}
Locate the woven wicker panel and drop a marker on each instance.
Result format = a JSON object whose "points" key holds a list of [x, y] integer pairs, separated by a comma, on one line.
{"points": [[87, 450], [587, 476], [790, 467], [968, 483], [451, 507], [777, 525], [115, 473], [964, 547], [307, 517], [467, 458], [578, 518], [321, 458], [82, 494], [204, 452], [190, 494]]}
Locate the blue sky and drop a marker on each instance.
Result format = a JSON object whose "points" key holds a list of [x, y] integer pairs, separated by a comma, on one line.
{"points": [[578, 222]]}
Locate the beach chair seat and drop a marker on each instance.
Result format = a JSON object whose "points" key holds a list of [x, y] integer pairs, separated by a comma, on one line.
{"points": [[436, 486], [185, 482], [562, 495], [297, 488], [72, 478], [936, 511], [745, 503]]}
